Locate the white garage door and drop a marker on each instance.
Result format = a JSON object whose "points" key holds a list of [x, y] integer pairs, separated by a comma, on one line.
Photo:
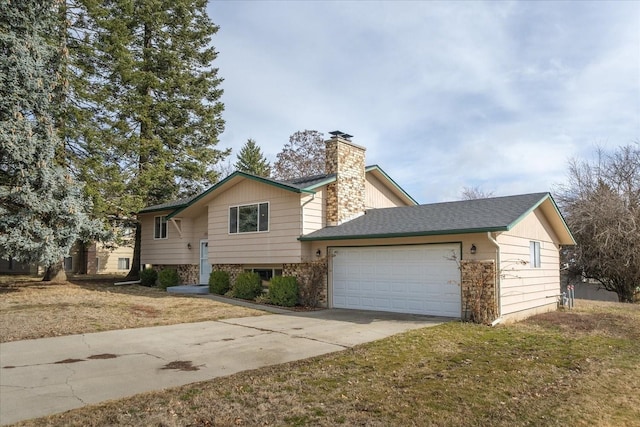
{"points": [[420, 279]]}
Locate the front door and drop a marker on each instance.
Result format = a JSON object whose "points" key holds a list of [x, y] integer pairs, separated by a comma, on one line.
{"points": [[205, 267]]}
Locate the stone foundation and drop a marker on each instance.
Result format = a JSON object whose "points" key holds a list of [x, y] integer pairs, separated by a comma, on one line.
{"points": [[189, 273], [479, 304], [312, 281], [233, 269]]}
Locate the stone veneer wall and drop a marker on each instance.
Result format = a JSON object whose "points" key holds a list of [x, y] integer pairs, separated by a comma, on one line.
{"points": [[479, 303], [312, 281], [189, 273], [346, 196], [233, 269]]}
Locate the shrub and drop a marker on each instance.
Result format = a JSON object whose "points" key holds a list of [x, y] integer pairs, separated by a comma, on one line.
{"points": [[148, 277], [219, 282], [283, 291], [168, 277], [248, 286]]}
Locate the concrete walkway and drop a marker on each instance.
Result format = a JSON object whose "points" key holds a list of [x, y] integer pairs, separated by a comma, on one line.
{"points": [[50, 375]]}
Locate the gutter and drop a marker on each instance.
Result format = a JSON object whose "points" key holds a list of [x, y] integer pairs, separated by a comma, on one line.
{"points": [[497, 279]]}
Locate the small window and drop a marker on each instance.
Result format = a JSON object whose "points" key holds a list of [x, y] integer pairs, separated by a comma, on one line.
{"points": [[266, 274], [160, 229], [68, 263], [123, 263], [249, 218], [534, 253]]}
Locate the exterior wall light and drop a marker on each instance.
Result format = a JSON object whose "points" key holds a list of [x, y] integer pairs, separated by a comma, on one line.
{"points": [[189, 246], [318, 253], [473, 249]]}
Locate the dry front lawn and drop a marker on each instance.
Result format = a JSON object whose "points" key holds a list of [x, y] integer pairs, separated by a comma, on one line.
{"points": [[33, 309], [578, 368]]}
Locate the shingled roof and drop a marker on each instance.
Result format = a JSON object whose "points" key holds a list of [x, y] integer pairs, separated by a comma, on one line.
{"points": [[468, 216]]}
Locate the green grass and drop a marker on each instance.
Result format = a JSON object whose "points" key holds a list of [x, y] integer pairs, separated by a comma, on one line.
{"points": [[567, 368]]}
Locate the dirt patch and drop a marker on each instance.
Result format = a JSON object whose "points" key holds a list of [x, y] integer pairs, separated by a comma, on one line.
{"points": [[144, 310], [609, 324]]}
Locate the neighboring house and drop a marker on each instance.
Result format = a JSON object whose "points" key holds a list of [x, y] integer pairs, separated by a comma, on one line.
{"points": [[11, 266], [99, 258], [382, 250]]}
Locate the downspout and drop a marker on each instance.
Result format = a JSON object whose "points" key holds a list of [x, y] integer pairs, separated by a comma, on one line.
{"points": [[497, 278]]}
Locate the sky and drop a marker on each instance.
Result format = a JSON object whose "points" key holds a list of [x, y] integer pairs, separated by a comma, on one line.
{"points": [[444, 95]]}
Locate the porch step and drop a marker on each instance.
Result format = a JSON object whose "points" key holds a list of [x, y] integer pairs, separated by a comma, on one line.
{"points": [[189, 289]]}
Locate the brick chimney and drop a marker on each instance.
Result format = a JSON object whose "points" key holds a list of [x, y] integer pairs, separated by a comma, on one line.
{"points": [[345, 196]]}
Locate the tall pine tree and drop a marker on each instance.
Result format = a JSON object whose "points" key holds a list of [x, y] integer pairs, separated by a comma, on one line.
{"points": [[251, 160], [154, 101], [42, 211]]}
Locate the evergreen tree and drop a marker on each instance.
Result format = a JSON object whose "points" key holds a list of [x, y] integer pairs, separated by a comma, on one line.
{"points": [[304, 155], [251, 160], [154, 101], [42, 211]]}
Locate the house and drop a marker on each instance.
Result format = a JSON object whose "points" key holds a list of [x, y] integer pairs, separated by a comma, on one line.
{"points": [[382, 251], [100, 258]]}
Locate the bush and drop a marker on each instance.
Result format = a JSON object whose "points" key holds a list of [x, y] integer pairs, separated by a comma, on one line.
{"points": [[168, 277], [248, 286], [219, 282], [148, 277], [283, 291]]}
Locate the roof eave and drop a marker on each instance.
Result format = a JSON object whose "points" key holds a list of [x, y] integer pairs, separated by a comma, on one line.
{"points": [[392, 182], [311, 188], [408, 234], [229, 178], [570, 240]]}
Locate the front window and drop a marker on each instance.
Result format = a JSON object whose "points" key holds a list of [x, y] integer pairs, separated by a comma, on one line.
{"points": [[534, 253], [249, 218], [160, 229]]}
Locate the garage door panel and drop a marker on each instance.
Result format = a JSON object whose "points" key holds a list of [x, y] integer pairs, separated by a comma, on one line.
{"points": [[411, 279]]}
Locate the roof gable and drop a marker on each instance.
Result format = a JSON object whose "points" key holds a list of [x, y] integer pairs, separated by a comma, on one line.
{"points": [[307, 185], [468, 216]]}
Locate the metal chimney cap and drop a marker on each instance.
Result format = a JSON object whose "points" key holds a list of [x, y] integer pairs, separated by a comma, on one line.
{"points": [[340, 134]]}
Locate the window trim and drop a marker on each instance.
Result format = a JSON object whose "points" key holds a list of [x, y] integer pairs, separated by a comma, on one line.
{"points": [[535, 258], [237, 219], [155, 227]]}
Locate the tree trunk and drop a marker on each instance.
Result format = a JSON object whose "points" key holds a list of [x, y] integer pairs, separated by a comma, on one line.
{"points": [[134, 273], [55, 273]]}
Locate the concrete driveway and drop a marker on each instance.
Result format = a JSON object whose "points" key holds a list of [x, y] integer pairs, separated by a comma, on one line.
{"points": [[45, 376]]}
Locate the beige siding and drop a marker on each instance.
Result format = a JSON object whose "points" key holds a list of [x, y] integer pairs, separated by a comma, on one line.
{"points": [[523, 287], [378, 195], [314, 211], [278, 245], [174, 249], [108, 259]]}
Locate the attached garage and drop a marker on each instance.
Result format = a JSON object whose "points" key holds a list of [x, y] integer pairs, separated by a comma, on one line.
{"points": [[417, 279]]}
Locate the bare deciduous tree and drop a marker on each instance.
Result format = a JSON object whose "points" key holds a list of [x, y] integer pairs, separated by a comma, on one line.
{"points": [[601, 203], [473, 193], [302, 156]]}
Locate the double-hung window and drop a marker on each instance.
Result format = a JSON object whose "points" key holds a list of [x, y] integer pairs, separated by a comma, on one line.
{"points": [[249, 218], [160, 229], [534, 254]]}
